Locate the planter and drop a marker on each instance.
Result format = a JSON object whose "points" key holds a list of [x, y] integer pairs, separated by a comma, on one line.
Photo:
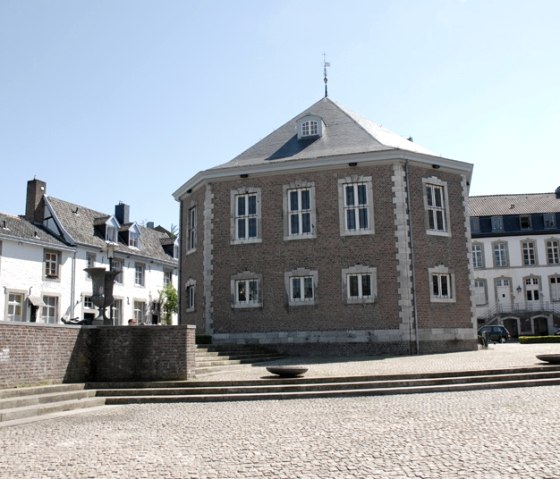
{"points": [[287, 371]]}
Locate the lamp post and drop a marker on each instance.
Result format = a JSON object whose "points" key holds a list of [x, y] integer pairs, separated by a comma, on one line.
{"points": [[110, 256]]}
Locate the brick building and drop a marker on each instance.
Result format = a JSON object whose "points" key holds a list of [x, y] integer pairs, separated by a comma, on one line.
{"points": [[331, 233]]}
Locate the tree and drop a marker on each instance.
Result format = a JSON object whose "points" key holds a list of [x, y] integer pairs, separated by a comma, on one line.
{"points": [[169, 300]]}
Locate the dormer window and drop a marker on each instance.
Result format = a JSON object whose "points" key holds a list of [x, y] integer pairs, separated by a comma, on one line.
{"points": [[111, 233], [310, 126], [108, 228], [134, 236]]}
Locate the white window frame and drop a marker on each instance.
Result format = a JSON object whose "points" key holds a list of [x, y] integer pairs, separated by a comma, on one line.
{"points": [[500, 254], [554, 290], [552, 251], [480, 292], [346, 210], [442, 285], [478, 255], [133, 238], [301, 276], [118, 264], [190, 295], [139, 310], [437, 215], [191, 228], [251, 282], [359, 272], [15, 310], [117, 312], [309, 126], [528, 252], [49, 312], [139, 274], [167, 277], [111, 232], [298, 188], [247, 217], [51, 264]]}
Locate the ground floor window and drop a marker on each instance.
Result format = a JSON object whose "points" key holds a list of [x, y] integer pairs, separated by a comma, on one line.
{"points": [[15, 307], [300, 286], [139, 311], [49, 312], [359, 284], [190, 294], [441, 285], [246, 290]]}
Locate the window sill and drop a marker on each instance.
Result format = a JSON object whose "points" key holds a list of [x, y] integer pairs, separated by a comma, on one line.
{"points": [[246, 241]]}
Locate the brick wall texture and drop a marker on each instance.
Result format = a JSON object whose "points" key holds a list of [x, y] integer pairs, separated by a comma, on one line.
{"points": [[447, 324], [39, 354]]}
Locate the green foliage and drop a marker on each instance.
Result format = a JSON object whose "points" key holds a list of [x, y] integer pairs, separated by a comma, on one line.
{"points": [[169, 300], [538, 339]]}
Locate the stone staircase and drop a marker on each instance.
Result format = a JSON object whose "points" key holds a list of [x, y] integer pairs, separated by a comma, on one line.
{"points": [[25, 404], [324, 387], [217, 358]]}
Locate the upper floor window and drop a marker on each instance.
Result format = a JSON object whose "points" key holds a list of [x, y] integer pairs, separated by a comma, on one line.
{"points": [[475, 224], [549, 220], [246, 290], [435, 202], [500, 255], [191, 229], [51, 264], [111, 234], [525, 222], [133, 239], [356, 205], [167, 277], [15, 307], [139, 274], [118, 266], [246, 217], [497, 223], [529, 253], [299, 211], [310, 126], [442, 285], [477, 255], [552, 252], [90, 259], [360, 284]]}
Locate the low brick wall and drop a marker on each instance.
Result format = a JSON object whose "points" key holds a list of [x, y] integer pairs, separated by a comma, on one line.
{"points": [[32, 353]]}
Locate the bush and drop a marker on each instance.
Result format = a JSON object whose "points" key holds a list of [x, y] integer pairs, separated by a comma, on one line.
{"points": [[538, 339]]}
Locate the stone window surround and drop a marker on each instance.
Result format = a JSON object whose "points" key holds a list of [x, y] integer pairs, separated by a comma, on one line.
{"points": [[506, 253], [442, 270], [246, 276], [299, 273], [299, 185], [191, 283], [438, 182], [363, 270], [482, 258], [245, 190], [355, 179]]}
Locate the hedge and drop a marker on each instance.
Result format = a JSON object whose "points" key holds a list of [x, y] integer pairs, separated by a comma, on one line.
{"points": [[538, 339]]}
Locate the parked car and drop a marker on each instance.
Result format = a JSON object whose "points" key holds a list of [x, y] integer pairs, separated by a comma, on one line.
{"points": [[495, 333]]}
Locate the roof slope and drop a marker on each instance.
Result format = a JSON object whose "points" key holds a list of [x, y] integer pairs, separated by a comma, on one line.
{"points": [[494, 205], [345, 133], [19, 228], [79, 222]]}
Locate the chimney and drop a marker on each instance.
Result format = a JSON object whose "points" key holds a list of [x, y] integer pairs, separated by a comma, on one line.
{"points": [[150, 224], [122, 213], [34, 203], [557, 193]]}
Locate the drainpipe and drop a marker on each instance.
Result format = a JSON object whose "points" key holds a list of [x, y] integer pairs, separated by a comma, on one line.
{"points": [[73, 286], [412, 258]]}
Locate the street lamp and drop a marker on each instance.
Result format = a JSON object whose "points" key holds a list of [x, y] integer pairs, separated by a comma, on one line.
{"points": [[110, 255]]}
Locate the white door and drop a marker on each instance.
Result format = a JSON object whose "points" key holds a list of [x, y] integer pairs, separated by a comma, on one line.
{"points": [[555, 288], [532, 293], [503, 294]]}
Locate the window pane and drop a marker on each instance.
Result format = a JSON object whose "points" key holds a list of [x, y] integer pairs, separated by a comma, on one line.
{"points": [[353, 285], [438, 197], [305, 202], [349, 195], [240, 206], [253, 204], [362, 195], [435, 285], [431, 223], [252, 227], [429, 196], [253, 291], [439, 217], [306, 223], [308, 285], [296, 288], [241, 228], [350, 220], [363, 218], [241, 293], [294, 224], [293, 200], [366, 285], [444, 286]]}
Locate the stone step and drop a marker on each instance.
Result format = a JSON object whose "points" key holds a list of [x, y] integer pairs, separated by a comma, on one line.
{"points": [[323, 387], [37, 410], [43, 398], [45, 389]]}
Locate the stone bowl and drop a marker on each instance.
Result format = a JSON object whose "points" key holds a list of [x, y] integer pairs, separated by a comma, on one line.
{"points": [[287, 371], [549, 358]]}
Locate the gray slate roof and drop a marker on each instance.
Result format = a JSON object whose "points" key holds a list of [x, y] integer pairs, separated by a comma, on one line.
{"points": [[17, 227], [79, 222], [345, 133], [496, 205]]}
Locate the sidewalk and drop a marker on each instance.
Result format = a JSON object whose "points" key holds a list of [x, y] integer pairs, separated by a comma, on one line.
{"points": [[497, 356]]}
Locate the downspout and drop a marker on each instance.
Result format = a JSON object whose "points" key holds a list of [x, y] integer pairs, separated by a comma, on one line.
{"points": [[73, 286], [412, 259]]}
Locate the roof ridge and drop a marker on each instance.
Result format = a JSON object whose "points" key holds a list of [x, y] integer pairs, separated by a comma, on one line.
{"points": [[510, 194]]}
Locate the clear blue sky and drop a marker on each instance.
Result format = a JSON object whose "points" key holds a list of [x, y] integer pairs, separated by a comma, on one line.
{"points": [[125, 100]]}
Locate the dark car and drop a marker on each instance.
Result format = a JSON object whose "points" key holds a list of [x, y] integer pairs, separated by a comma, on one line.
{"points": [[495, 333]]}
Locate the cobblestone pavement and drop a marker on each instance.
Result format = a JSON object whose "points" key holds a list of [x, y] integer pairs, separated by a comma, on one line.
{"points": [[508, 433]]}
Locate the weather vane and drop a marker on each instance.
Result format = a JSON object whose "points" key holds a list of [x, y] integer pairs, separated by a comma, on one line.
{"points": [[325, 79]]}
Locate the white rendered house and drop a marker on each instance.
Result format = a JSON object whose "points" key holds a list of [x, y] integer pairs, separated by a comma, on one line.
{"points": [[44, 253]]}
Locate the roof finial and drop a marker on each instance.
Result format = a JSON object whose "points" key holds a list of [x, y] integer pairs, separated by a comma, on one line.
{"points": [[325, 79]]}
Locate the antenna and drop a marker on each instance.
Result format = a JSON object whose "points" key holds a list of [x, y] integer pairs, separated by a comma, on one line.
{"points": [[325, 79]]}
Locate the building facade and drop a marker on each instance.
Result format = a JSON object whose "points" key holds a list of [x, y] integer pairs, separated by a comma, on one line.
{"points": [[331, 233], [43, 255], [516, 261]]}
